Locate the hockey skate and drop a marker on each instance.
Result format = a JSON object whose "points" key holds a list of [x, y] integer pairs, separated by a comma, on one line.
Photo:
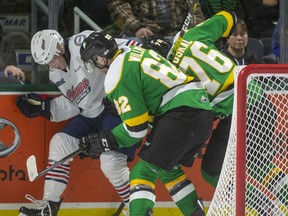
{"points": [[200, 209], [46, 208]]}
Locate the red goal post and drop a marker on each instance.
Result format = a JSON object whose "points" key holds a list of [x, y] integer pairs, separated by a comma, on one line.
{"points": [[254, 176]]}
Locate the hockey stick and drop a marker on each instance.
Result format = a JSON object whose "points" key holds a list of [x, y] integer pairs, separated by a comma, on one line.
{"points": [[32, 166], [183, 30], [119, 210]]}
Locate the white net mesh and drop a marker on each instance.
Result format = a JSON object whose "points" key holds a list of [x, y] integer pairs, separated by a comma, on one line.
{"points": [[266, 166]]}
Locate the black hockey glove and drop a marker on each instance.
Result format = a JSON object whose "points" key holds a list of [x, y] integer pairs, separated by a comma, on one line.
{"points": [[32, 105], [96, 143], [110, 107]]}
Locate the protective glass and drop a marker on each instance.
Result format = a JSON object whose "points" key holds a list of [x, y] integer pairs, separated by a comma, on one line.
{"points": [[44, 68], [47, 68]]}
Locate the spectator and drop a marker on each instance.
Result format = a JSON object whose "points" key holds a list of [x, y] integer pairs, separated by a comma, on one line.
{"points": [[276, 32], [274, 56], [276, 40], [211, 7], [236, 47], [270, 2], [13, 71], [143, 18], [260, 18], [11, 42]]}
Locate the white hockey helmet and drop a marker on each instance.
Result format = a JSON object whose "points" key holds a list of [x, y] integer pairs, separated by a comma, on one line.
{"points": [[45, 45]]}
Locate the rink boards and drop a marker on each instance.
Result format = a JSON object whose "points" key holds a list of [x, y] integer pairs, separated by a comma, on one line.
{"points": [[88, 192]]}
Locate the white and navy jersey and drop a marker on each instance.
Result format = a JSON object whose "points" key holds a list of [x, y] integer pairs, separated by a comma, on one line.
{"points": [[130, 43], [83, 92]]}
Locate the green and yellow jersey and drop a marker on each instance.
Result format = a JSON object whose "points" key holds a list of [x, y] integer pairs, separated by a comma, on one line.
{"points": [[141, 83], [198, 57]]}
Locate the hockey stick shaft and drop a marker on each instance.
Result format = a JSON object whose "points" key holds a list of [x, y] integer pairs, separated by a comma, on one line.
{"points": [[183, 30], [59, 162], [34, 175], [119, 210]]}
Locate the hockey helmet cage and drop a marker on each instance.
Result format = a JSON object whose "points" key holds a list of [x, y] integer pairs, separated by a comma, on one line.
{"points": [[45, 45], [159, 44], [98, 44]]}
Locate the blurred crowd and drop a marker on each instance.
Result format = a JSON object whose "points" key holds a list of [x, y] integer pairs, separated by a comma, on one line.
{"points": [[139, 19]]}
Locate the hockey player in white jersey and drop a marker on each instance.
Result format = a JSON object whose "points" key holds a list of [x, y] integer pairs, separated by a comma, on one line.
{"points": [[81, 102]]}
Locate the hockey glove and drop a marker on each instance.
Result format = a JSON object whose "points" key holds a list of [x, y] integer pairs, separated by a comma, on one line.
{"points": [[94, 144], [32, 105]]}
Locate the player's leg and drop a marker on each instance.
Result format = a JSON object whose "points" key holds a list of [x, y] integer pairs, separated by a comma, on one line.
{"points": [[142, 199], [176, 136], [213, 158], [175, 139], [181, 190], [56, 180], [114, 164], [142, 181]]}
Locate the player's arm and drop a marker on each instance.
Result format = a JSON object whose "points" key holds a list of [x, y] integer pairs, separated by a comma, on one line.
{"points": [[131, 130], [62, 109], [231, 20], [33, 105], [110, 140], [219, 25], [124, 135], [14, 71], [134, 128], [55, 109], [133, 112]]}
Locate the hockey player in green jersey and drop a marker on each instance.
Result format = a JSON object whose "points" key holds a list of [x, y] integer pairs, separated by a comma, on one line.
{"points": [[199, 57], [143, 84]]}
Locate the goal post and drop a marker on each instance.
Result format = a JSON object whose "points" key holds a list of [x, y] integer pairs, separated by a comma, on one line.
{"points": [[254, 176]]}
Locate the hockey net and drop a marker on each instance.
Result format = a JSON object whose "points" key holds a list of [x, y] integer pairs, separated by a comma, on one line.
{"points": [[254, 176]]}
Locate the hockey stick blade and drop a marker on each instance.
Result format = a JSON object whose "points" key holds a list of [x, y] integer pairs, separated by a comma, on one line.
{"points": [[32, 166]]}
